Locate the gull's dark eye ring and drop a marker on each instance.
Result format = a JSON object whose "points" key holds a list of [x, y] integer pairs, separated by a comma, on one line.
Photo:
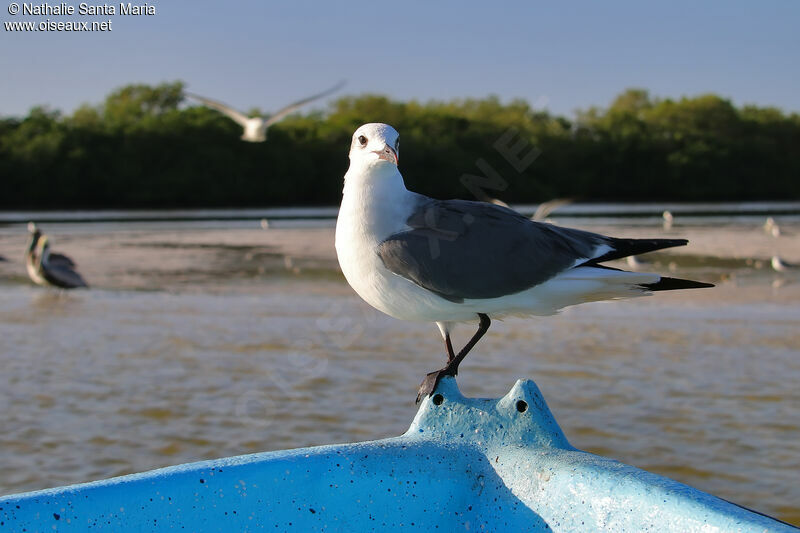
{"points": [[362, 140]]}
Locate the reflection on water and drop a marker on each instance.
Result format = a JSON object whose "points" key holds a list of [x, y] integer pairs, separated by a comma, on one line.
{"points": [[247, 352]]}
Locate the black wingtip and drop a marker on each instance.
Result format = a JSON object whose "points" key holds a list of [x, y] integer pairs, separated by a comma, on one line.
{"points": [[671, 284], [622, 248]]}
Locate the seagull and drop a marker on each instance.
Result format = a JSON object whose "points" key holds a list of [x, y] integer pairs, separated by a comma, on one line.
{"points": [[496, 201], [771, 227], [47, 268], [633, 262], [542, 211], [255, 128], [779, 265], [451, 261], [545, 208], [668, 220]]}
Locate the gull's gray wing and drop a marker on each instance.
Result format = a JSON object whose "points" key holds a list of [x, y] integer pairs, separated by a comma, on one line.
{"points": [[278, 115], [460, 249], [239, 118]]}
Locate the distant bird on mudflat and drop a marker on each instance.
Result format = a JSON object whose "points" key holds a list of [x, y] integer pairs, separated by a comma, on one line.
{"points": [[450, 261], [2, 259], [633, 262], [668, 220], [779, 265], [771, 227], [255, 128], [48, 268]]}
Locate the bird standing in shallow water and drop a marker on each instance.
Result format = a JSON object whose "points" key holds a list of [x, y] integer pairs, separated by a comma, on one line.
{"points": [[450, 261], [47, 268]]}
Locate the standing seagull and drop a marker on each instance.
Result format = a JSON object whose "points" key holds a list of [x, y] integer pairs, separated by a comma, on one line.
{"points": [[779, 265], [668, 220], [47, 268], [771, 227], [255, 128], [449, 261]]}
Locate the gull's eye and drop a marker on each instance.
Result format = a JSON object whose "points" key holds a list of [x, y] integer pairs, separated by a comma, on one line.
{"points": [[362, 140]]}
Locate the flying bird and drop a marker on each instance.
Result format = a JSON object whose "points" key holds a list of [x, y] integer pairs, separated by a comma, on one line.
{"points": [[542, 211], [545, 208], [48, 268], [255, 128], [450, 261]]}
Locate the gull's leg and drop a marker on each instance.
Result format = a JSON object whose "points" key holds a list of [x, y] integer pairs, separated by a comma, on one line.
{"points": [[444, 327], [451, 369], [452, 366], [449, 346]]}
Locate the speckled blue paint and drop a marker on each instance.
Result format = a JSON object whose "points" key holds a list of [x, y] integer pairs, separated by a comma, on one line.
{"points": [[464, 465]]}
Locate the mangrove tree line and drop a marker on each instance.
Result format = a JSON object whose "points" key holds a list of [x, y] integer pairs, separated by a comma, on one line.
{"points": [[145, 146]]}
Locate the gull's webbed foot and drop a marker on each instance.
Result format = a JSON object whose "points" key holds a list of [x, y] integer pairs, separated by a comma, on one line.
{"points": [[431, 381]]}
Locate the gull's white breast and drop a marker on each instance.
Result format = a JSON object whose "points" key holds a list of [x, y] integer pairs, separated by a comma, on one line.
{"points": [[375, 206]]}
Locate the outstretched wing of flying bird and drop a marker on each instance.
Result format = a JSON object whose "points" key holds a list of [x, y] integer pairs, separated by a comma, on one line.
{"points": [[545, 208], [278, 115], [236, 116]]}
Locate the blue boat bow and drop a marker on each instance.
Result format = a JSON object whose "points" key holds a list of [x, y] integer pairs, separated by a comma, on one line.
{"points": [[465, 464]]}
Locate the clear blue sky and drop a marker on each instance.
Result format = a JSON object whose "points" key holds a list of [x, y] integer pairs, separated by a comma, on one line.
{"points": [[256, 53]]}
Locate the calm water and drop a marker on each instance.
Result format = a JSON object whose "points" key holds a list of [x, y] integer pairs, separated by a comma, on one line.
{"points": [[700, 386]]}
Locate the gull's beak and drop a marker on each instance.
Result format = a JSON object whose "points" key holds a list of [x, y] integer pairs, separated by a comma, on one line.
{"points": [[387, 154]]}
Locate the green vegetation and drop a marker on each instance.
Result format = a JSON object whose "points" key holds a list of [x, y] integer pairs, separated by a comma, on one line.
{"points": [[142, 148]]}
